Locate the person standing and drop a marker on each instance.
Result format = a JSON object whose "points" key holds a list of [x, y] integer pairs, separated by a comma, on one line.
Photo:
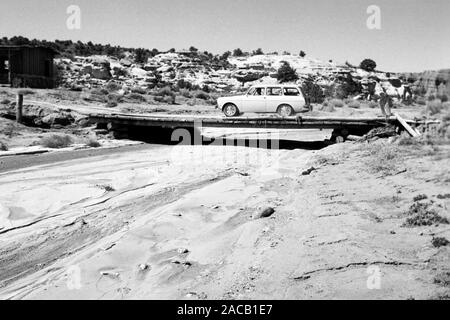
{"points": [[385, 102]]}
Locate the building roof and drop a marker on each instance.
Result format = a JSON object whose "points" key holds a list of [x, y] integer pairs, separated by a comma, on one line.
{"points": [[18, 47]]}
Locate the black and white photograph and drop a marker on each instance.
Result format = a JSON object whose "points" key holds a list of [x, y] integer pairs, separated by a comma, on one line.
{"points": [[205, 151]]}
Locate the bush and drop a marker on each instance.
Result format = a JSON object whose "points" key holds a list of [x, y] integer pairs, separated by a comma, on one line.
{"points": [[286, 73], [421, 101], [354, 104], [113, 86], [138, 90], [422, 215], [327, 107], [136, 97], [372, 104], [434, 107], [337, 103], [185, 93], [313, 91], [202, 95], [113, 100], [5, 101], [444, 98], [56, 141], [3, 146], [368, 65], [93, 142]]}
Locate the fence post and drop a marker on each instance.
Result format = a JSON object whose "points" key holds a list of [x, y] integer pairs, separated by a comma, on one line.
{"points": [[19, 107]]}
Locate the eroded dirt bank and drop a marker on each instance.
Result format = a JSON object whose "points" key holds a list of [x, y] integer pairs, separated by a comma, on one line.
{"points": [[183, 223]]}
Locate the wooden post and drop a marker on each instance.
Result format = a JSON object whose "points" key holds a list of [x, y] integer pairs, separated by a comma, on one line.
{"points": [[19, 106]]}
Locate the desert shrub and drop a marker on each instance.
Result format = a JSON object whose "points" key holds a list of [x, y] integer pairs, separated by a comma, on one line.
{"points": [[444, 98], [113, 86], [3, 146], [354, 104], [100, 92], [434, 107], [407, 140], [421, 214], [421, 101], [442, 279], [372, 104], [56, 141], [337, 103], [202, 95], [183, 84], [136, 97], [5, 101], [420, 197], [138, 90], [169, 99], [439, 242], [186, 93], [166, 91], [92, 142], [112, 97], [327, 107]]}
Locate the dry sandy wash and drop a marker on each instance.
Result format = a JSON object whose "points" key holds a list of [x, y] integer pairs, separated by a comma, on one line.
{"points": [[183, 222]]}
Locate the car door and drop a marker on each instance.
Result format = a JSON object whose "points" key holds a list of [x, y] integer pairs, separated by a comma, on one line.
{"points": [[254, 100], [293, 97], [274, 97]]}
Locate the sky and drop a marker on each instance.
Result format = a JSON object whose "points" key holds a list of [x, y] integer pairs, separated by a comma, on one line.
{"points": [[413, 34]]}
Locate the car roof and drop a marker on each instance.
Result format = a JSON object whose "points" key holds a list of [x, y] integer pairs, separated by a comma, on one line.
{"points": [[274, 85]]}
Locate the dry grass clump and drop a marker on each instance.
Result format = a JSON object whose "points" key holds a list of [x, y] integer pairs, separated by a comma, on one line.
{"points": [[438, 242], [56, 141], [436, 106], [135, 97], [165, 95], [337, 103], [93, 142], [422, 214], [443, 279], [326, 107], [382, 157], [3, 146], [354, 104]]}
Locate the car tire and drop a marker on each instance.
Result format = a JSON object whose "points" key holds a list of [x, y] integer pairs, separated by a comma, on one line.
{"points": [[230, 110], [285, 110]]}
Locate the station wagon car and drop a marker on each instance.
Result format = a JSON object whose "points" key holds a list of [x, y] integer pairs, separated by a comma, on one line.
{"points": [[286, 100]]}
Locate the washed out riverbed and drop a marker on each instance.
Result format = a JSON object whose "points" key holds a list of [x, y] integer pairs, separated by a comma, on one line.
{"points": [[176, 222]]}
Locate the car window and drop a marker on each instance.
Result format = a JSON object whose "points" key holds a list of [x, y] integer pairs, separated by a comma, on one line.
{"points": [[291, 92], [256, 92], [274, 91]]}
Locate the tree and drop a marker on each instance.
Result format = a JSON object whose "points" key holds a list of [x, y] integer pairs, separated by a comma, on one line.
{"points": [[238, 52], [141, 55], [258, 52], [368, 65], [193, 49], [225, 55], [286, 73], [302, 54]]}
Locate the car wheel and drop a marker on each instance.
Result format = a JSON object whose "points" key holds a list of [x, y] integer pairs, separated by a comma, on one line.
{"points": [[230, 110], [285, 110]]}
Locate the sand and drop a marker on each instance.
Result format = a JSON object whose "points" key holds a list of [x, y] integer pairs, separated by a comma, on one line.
{"points": [[182, 223]]}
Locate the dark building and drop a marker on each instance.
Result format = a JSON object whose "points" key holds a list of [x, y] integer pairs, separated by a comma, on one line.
{"points": [[27, 66]]}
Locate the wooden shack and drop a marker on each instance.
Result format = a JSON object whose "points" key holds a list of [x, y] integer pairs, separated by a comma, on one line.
{"points": [[27, 66]]}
